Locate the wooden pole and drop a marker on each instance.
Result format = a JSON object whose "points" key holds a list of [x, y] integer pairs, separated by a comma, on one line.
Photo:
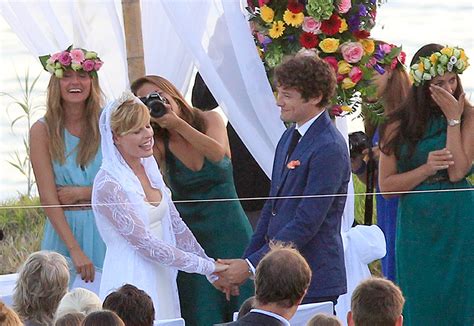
{"points": [[133, 38]]}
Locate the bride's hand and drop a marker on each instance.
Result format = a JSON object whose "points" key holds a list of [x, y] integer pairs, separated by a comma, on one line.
{"points": [[220, 267]]}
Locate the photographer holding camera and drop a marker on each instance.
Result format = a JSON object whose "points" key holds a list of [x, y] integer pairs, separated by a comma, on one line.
{"points": [[192, 150]]}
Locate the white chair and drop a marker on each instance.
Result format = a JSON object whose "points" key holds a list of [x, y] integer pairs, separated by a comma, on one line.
{"points": [[169, 322], [306, 311], [7, 284]]}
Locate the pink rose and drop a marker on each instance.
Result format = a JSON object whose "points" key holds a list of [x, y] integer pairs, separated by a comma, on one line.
{"points": [[332, 62], [77, 56], [352, 52], [97, 65], [355, 74], [260, 38], [371, 63], [311, 25], [343, 6], [386, 48], [64, 58], [88, 65], [53, 58]]}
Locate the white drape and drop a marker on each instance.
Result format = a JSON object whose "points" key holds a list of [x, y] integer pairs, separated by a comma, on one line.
{"points": [[46, 27]]}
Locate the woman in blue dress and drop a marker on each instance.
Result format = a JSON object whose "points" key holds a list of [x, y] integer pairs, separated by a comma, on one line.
{"points": [[392, 84], [65, 155]]}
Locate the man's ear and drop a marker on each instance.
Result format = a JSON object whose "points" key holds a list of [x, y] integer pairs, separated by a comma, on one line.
{"points": [[316, 100], [350, 321], [399, 321]]}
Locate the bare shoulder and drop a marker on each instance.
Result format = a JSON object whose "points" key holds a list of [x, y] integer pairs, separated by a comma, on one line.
{"points": [[212, 116], [39, 131]]}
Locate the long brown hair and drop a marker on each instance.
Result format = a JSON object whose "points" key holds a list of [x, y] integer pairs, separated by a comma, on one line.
{"points": [[410, 120], [90, 136], [189, 114]]}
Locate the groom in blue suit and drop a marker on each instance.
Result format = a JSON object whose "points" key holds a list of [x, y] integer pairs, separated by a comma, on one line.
{"points": [[311, 171]]}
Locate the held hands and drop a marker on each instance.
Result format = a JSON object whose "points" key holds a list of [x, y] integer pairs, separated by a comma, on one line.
{"points": [[72, 195], [231, 276], [438, 160], [451, 107], [83, 265]]}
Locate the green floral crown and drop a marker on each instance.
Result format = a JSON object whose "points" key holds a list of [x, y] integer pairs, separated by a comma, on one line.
{"points": [[71, 59], [447, 60]]}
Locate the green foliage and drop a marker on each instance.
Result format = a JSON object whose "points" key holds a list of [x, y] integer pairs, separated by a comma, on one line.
{"points": [[28, 110], [23, 229]]}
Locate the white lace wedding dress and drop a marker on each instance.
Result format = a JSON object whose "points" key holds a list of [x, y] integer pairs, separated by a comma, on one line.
{"points": [[146, 245]]}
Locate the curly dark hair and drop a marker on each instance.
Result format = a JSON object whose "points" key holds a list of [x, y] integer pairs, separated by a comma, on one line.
{"points": [[311, 76]]}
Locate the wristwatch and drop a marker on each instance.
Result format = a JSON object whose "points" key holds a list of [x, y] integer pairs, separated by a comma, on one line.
{"points": [[454, 122]]}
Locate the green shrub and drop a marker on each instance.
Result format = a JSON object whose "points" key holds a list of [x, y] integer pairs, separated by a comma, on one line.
{"points": [[23, 229]]}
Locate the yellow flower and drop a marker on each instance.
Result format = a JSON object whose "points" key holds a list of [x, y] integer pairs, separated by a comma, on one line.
{"points": [[463, 56], [343, 67], [293, 19], [421, 66], [267, 14], [447, 51], [433, 58], [260, 52], [329, 45], [346, 108], [347, 83], [343, 27], [368, 45], [277, 29]]}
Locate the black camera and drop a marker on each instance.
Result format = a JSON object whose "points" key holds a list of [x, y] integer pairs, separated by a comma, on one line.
{"points": [[358, 142], [156, 104]]}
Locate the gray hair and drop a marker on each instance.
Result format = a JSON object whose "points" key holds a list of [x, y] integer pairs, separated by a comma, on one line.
{"points": [[42, 282], [78, 300]]}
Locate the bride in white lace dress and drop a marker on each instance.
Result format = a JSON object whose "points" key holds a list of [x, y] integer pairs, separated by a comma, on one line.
{"points": [[147, 242]]}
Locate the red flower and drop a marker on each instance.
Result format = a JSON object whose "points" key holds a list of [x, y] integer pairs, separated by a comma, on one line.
{"points": [[332, 62], [295, 7], [332, 25], [308, 40], [361, 34]]}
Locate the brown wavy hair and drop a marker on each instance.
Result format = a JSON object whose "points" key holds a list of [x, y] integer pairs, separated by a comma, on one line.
{"points": [[189, 114], [90, 137]]}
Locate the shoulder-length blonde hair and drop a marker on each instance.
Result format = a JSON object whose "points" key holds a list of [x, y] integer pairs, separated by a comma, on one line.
{"points": [[90, 138], [189, 114], [42, 282]]}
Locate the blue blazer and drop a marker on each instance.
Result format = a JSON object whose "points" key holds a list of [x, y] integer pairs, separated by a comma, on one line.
{"points": [[312, 224]]}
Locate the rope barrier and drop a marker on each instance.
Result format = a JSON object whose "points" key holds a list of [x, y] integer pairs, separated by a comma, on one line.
{"points": [[248, 198]]}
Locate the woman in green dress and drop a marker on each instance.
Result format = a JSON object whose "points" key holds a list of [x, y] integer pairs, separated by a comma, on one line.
{"points": [[192, 150], [428, 147]]}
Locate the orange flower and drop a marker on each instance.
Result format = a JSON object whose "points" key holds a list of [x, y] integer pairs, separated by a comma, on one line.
{"points": [[293, 164]]}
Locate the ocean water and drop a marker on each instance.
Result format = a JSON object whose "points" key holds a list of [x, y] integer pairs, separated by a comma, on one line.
{"points": [[403, 22]]}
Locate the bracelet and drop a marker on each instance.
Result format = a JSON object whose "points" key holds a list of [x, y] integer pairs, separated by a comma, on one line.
{"points": [[361, 169], [454, 122]]}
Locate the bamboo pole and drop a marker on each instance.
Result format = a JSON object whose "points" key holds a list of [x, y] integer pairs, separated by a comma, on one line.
{"points": [[133, 38]]}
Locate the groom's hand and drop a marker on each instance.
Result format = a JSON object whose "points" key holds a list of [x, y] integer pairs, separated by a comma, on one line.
{"points": [[237, 272], [226, 287]]}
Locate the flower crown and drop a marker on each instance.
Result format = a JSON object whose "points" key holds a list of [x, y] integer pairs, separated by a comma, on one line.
{"points": [[72, 59], [387, 54], [447, 60]]}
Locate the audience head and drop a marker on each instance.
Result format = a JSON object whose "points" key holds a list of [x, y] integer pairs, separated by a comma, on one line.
{"points": [[42, 282], [245, 308], [376, 302], [324, 320], [282, 277], [70, 319], [8, 317], [101, 318], [134, 306], [310, 76], [78, 300]]}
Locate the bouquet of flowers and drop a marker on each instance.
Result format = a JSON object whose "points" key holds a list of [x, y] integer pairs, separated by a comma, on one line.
{"points": [[336, 30]]}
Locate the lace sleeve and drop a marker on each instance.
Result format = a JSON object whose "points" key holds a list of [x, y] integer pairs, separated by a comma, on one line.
{"points": [[185, 239], [113, 204]]}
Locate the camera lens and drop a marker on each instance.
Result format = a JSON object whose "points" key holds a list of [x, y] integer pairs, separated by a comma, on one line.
{"points": [[156, 104]]}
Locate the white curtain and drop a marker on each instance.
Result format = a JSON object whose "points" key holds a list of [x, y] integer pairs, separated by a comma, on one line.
{"points": [[45, 27]]}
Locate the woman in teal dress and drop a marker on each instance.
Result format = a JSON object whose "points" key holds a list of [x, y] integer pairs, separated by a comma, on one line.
{"points": [[65, 155], [428, 147], [193, 153]]}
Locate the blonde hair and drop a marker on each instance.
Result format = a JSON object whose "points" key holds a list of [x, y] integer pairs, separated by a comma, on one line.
{"points": [[70, 319], [129, 117], [42, 282], [78, 300], [8, 317], [324, 320], [90, 137]]}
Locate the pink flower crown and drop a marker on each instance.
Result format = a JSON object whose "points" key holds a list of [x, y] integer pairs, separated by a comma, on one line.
{"points": [[72, 59], [386, 54]]}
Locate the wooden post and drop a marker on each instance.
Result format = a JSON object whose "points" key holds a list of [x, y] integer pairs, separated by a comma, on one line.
{"points": [[133, 38]]}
